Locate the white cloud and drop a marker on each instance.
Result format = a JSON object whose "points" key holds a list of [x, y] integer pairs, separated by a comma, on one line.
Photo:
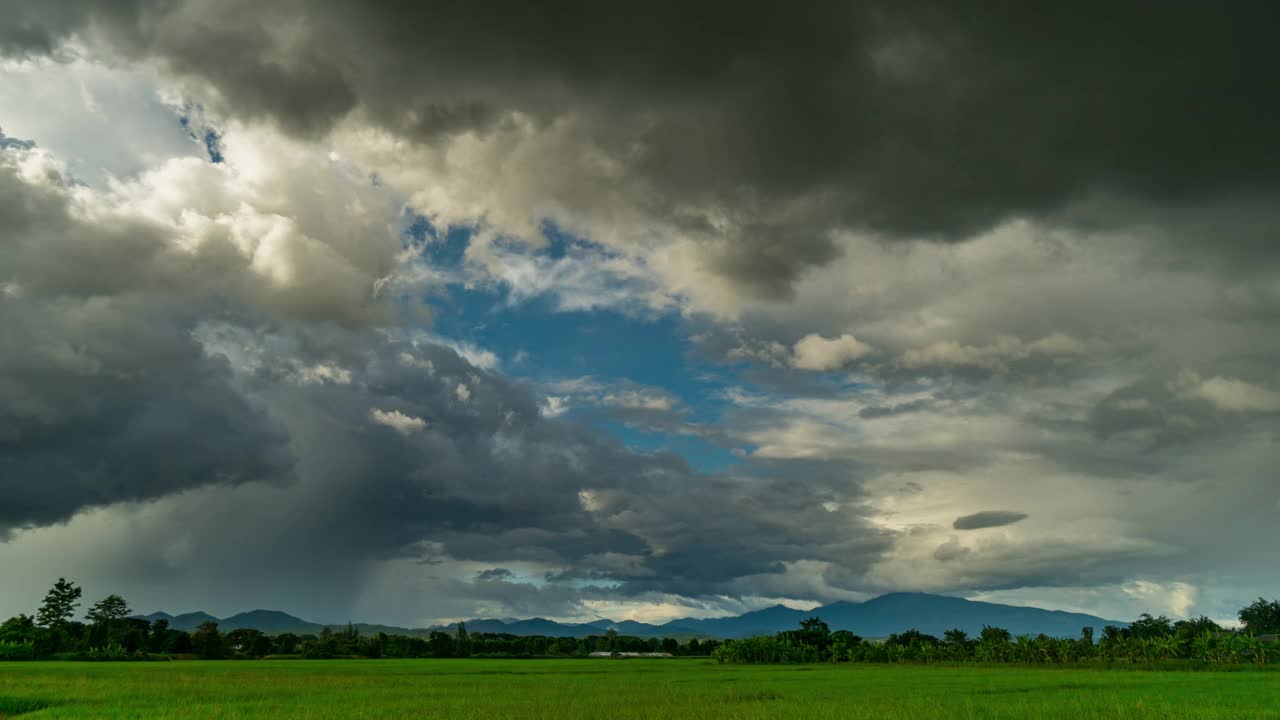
{"points": [[814, 352], [1230, 395], [472, 353], [638, 399], [324, 373], [398, 421], [554, 405], [1174, 599], [107, 120], [409, 360], [996, 356], [592, 392]]}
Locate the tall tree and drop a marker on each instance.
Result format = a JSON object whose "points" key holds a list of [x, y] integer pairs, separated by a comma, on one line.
{"points": [[158, 639], [108, 610], [462, 643], [206, 641], [815, 632], [1188, 630], [59, 604], [1146, 627], [1261, 617]]}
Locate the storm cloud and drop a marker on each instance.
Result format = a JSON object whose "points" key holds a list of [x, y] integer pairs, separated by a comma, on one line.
{"points": [[881, 267], [132, 375], [759, 130], [988, 519]]}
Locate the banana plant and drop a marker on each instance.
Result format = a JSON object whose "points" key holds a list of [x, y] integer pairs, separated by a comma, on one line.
{"points": [[1166, 647], [1025, 648], [1256, 649], [1205, 647]]}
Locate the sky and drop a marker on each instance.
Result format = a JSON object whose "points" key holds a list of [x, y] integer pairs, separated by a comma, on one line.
{"points": [[411, 312]]}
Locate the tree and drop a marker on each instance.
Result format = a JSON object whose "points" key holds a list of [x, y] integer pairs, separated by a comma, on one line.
{"points": [[260, 646], [843, 644], [1147, 627], [158, 637], [206, 641], [59, 604], [1261, 617], [911, 637], [247, 642], [994, 644], [19, 629], [815, 633], [462, 642], [286, 644], [441, 644], [108, 610], [179, 642], [956, 644], [1188, 630]]}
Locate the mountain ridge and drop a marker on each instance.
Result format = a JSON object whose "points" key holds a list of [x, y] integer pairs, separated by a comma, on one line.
{"points": [[877, 617]]}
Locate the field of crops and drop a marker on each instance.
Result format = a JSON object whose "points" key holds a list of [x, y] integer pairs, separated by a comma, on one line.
{"points": [[618, 689]]}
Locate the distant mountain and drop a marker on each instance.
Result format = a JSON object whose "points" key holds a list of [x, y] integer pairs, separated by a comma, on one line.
{"points": [[896, 612], [759, 622], [551, 628], [272, 622], [879, 617], [186, 621]]}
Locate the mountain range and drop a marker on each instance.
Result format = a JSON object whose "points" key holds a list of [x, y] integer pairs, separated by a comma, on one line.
{"points": [[878, 617]]}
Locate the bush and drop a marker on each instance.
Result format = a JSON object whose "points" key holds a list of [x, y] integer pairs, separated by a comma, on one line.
{"points": [[17, 650]]}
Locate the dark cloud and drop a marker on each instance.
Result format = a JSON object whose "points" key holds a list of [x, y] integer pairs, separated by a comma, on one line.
{"points": [[779, 124], [487, 479], [237, 400], [879, 411], [115, 403], [988, 519], [139, 368], [104, 395]]}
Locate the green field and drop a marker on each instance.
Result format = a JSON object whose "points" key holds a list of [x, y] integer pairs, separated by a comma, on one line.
{"points": [[613, 689]]}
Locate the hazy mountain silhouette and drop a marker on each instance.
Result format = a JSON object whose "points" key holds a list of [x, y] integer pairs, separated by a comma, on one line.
{"points": [[896, 612], [879, 617]]}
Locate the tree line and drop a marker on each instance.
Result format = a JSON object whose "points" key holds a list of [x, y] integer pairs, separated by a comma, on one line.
{"points": [[109, 633], [1148, 640]]}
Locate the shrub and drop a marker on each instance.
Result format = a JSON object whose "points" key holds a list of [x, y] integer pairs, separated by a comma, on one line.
{"points": [[17, 650]]}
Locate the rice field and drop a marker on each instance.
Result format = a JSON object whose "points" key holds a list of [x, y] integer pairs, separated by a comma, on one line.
{"points": [[618, 690]]}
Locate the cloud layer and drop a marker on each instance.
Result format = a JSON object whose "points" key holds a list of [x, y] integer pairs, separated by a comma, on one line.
{"points": [[757, 132], [922, 263]]}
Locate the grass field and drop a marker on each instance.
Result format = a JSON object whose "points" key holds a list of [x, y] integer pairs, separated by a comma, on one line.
{"points": [[614, 690]]}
